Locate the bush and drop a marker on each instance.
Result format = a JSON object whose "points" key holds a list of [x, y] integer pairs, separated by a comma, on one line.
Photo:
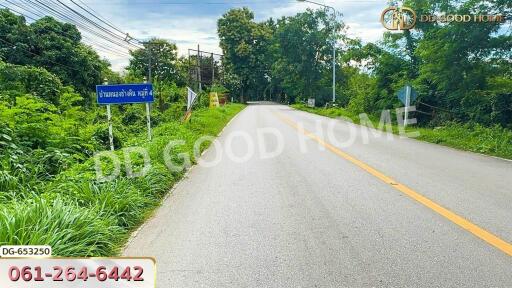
{"points": [[19, 80]]}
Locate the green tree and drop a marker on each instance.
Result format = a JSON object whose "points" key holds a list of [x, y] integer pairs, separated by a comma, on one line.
{"points": [[16, 38], [245, 44], [304, 50], [60, 51], [161, 57], [20, 80], [55, 46]]}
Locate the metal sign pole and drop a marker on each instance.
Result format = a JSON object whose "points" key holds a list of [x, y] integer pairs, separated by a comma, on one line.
{"points": [[148, 117], [110, 132], [407, 104]]}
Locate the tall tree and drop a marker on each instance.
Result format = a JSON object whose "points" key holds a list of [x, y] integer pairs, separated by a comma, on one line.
{"points": [[158, 54], [16, 38], [245, 44], [304, 44], [52, 45], [161, 57]]}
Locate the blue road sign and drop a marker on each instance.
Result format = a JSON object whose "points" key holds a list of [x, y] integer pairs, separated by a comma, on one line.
{"points": [[402, 94], [124, 94]]}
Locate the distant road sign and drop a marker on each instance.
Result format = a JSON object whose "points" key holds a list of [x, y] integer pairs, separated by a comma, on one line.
{"points": [[191, 97], [402, 95], [124, 94]]}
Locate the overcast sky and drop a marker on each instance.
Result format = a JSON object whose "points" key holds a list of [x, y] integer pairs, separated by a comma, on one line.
{"points": [[192, 22]]}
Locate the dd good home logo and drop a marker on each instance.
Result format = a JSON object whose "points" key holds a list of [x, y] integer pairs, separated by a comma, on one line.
{"points": [[395, 18], [404, 18]]}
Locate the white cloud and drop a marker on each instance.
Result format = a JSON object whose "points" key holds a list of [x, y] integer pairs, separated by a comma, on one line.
{"points": [[366, 34], [361, 17]]}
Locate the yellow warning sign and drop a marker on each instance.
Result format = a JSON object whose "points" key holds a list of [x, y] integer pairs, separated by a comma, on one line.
{"points": [[214, 100]]}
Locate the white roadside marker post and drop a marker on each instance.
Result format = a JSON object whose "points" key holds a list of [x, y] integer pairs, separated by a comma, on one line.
{"points": [[148, 116], [407, 104]]}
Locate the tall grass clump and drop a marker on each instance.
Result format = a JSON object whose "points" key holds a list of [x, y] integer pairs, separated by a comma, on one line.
{"points": [[70, 230]]}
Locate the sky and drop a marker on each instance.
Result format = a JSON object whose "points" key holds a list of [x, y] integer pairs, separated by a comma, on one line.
{"points": [[191, 22]]}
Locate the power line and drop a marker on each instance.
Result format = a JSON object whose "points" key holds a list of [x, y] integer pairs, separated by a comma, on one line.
{"points": [[62, 16], [102, 20], [99, 15], [98, 45], [86, 27], [95, 24], [103, 48], [89, 41], [22, 6], [17, 12]]}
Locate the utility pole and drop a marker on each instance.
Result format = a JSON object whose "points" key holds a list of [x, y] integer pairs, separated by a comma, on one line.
{"points": [[149, 67], [213, 70], [148, 107], [148, 115], [195, 69], [199, 68]]}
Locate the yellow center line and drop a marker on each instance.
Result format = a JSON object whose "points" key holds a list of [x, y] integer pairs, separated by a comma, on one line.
{"points": [[474, 229]]}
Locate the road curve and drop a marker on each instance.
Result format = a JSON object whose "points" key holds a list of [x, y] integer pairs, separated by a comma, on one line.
{"points": [[310, 217]]}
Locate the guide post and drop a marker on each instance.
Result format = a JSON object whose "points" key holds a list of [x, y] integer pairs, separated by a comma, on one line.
{"points": [[407, 95], [407, 104]]}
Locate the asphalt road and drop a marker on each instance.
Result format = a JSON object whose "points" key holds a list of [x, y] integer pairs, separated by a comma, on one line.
{"points": [[323, 215]]}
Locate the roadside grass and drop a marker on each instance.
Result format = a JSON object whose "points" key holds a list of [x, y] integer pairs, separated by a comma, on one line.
{"points": [[493, 141], [79, 216]]}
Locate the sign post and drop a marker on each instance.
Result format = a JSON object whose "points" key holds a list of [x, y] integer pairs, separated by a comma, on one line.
{"points": [[191, 98], [125, 94], [110, 130], [311, 102], [148, 118], [407, 104]]}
